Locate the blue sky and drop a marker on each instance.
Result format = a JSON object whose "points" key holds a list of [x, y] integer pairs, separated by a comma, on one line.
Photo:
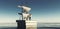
{"points": [[41, 9]]}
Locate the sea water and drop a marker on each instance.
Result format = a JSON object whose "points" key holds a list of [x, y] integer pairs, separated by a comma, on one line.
{"points": [[39, 26]]}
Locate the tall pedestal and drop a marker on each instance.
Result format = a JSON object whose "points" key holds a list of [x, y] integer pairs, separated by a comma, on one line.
{"points": [[22, 24]]}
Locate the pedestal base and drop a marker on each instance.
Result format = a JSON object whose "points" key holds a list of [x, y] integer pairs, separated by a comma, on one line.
{"points": [[31, 24], [22, 24]]}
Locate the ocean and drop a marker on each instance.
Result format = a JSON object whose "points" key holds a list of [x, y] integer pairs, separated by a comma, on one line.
{"points": [[48, 28], [37, 27], [8, 27], [40, 26]]}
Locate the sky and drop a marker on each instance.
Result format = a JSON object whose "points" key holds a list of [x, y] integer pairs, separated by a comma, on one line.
{"points": [[41, 10]]}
